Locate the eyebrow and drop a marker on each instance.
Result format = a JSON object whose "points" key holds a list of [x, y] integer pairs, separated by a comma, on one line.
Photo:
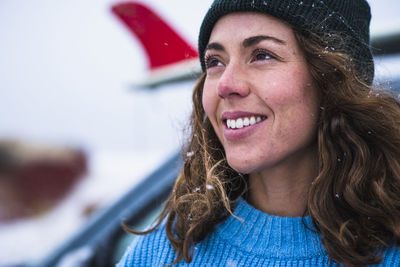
{"points": [[251, 41]]}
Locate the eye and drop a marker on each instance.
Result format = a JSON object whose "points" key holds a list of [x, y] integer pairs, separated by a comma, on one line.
{"points": [[261, 54], [212, 61]]}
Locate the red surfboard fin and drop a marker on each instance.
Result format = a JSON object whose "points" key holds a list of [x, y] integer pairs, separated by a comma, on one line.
{"points": [[163, 45]]}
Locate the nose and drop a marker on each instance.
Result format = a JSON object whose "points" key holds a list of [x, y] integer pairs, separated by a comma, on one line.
{"points": [[233, 82]]}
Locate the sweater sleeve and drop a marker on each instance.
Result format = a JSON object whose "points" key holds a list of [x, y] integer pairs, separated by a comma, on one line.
{"points": [[153, 249]]}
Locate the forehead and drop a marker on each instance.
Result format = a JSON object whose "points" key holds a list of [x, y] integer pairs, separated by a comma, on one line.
{"points": [[244, 24]]}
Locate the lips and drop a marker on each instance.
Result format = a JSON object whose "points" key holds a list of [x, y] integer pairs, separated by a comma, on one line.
{"points": [[240, 124], [238, 120], [243, 122]]}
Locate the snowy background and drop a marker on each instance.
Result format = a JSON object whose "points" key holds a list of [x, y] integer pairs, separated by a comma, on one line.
{"points": [[66, 74]]}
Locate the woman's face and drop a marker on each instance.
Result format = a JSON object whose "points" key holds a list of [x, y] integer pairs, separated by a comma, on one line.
{"points": [[259, 94]]}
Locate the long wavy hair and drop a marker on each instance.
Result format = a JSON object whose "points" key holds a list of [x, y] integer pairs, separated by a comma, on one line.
{"points": [[354, 201]]}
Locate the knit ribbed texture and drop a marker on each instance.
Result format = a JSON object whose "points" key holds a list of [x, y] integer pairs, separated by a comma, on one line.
{"points": [[260, 240], [348, 18]]}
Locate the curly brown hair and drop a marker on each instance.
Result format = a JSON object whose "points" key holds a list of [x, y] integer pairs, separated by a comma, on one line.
{"points": [[354, 201]]}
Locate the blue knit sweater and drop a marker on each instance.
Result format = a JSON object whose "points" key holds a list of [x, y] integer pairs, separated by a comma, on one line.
{"points": [[260, 240]]}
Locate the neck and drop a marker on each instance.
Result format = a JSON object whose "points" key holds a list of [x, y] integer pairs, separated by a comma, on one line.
{"points": [[282, 190]]}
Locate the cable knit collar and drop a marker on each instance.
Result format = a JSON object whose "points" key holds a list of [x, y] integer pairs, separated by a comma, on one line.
{"points": [[270, 236]]}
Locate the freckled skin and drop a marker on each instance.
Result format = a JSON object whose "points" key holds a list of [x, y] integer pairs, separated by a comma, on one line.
{"points": [[281, 89]]}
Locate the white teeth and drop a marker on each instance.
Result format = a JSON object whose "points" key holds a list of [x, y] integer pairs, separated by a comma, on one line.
{"points": [[252, 120], [233, 124], [246, 122], [242, 122], [239, 123]]}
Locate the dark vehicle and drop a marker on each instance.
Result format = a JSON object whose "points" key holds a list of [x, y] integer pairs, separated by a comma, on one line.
{"points": [[103, 241]]}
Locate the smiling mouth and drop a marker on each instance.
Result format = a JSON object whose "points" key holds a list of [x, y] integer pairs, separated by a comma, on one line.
{"points": [[243, 122]]}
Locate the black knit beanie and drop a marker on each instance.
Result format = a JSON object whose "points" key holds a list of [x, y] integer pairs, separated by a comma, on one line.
{"points": [[348, 18]]}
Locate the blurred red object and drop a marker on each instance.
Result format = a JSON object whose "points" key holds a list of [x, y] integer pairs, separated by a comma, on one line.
{"points": [[34, 178]]}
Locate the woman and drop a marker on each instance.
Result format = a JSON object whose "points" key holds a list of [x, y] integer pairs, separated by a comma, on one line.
{"points": [[293, 158]]}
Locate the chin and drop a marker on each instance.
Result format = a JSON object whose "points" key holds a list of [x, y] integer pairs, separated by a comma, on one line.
{"points": [[241, 165]]}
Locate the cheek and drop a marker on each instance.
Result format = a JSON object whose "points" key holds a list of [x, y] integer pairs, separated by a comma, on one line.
{"points": [[210, 99], [210, 103], [294, 101], [296, 91]]}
